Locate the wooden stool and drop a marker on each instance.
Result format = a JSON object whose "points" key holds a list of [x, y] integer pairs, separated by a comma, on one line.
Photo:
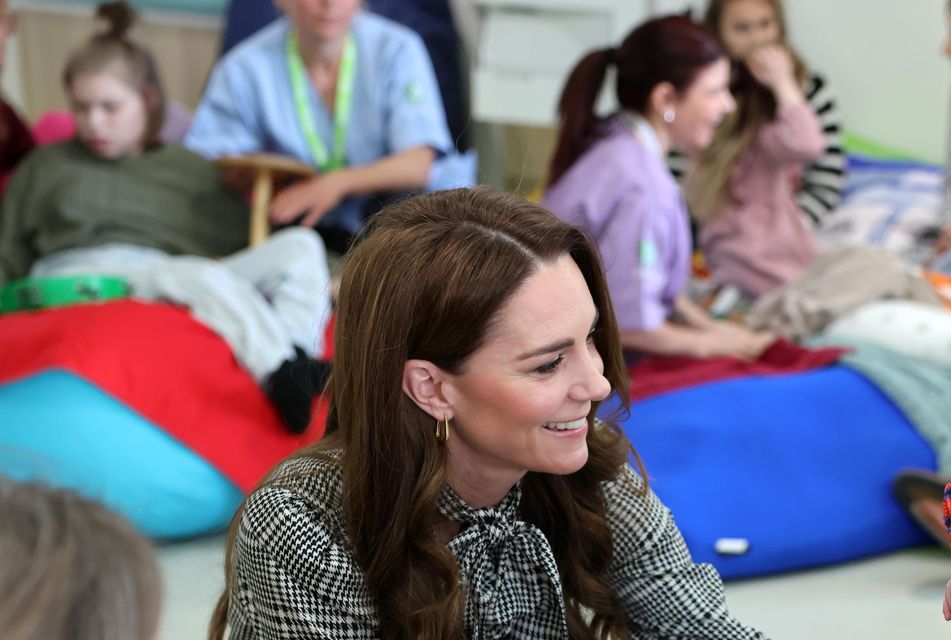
{"points": [[262, 170]]}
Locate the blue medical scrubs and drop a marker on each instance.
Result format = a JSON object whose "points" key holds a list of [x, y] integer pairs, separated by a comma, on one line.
{"points": [[248, 107]]}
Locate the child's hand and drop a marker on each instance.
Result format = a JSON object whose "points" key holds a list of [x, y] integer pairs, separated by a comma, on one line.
{"points": [[770, 64], [773, 67], [313, 198], [729, 339]]}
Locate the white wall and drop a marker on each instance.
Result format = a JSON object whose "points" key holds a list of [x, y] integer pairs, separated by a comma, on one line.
{"points": [[882, 58]]}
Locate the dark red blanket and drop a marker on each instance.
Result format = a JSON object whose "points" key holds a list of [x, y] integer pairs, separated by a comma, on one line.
{"points": [[170, 369], [660, 374]]}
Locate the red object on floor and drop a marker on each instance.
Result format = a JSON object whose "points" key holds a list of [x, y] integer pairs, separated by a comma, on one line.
{"points": [[946, 508], [160, 362], [653, 375]]}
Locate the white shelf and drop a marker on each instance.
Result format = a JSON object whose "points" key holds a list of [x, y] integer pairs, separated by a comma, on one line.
{"points": [[525, 50]]}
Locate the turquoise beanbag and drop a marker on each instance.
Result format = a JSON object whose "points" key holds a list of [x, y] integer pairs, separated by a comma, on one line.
{"points": [[56, 427]]}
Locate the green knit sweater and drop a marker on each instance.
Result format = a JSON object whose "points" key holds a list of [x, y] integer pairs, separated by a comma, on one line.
{"points": [[65, 197]]}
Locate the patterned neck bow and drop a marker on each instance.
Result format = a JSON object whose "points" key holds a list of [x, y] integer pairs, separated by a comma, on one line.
{"points": [[513, 589]]}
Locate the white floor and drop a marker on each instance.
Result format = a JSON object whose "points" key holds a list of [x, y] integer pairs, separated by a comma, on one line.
{"points": [[895, 597]]}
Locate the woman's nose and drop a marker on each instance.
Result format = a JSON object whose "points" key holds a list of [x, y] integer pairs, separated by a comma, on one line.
{"points": [[729, 104], [592, 385]]}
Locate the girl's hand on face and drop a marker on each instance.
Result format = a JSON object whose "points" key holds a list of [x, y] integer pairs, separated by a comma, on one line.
{"points": [[773, 67], [313, 198]]}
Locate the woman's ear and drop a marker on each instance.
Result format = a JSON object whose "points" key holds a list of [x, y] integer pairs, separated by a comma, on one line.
{"points": [[663, 98], [425, 384]]}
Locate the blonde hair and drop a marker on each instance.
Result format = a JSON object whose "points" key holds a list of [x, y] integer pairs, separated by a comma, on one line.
{"points": [[707, 185], [70, 569]]}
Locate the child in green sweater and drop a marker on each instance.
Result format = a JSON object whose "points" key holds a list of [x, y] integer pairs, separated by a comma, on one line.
{"points": [[115, 201]]}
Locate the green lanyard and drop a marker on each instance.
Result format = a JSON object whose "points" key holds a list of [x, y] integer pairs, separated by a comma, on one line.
{"points": [[342, 102]]}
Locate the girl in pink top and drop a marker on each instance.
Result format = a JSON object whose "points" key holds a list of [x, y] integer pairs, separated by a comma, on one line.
{"points": [[743, 187]]}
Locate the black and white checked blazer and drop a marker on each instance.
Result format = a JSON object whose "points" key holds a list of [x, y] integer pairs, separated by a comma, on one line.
{"points": [[295, 577]]}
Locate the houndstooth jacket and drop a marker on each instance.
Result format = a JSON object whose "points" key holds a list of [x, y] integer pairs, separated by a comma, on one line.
{"points": [[295, 576]]}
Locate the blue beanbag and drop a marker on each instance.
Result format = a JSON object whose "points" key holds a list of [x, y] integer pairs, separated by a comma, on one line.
{"points": [[800, 466], [108, 452]]}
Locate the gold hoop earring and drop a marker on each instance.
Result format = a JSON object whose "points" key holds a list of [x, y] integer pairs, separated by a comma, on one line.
{"points": [[442, 429]]}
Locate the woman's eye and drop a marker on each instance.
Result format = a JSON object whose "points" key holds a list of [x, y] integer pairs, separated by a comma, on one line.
{"points": [[551, 366]]}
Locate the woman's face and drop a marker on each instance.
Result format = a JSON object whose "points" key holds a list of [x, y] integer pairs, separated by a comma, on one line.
{"points": [[746, 25], [323, 19], [701, 108], [522, 400], [111, 116]]}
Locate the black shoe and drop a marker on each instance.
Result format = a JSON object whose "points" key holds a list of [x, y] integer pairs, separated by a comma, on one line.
{"points": [[291, 389]]}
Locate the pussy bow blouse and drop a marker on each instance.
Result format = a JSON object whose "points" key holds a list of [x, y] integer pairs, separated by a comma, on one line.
{"points": [[295, 575]]}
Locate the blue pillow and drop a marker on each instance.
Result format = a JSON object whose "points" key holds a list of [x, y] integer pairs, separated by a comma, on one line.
{"points": [[800, 466], [58, 428]]}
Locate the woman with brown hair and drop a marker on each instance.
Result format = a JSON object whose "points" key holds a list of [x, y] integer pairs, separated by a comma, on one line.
{"points": [[775, 167], [466, 489], [70, 569]]}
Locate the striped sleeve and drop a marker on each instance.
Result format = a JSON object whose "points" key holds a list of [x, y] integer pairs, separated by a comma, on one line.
{"points": [[823, 180]]}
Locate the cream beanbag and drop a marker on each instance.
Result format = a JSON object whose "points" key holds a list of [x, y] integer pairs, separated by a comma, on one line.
{"points": [[912, 328]]}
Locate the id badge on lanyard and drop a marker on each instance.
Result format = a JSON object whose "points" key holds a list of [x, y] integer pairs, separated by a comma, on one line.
{"points": [[325, 161]]}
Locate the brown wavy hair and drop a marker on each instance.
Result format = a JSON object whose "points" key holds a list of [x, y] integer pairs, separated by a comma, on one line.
{"points": [[708, 183], [426, 282], [112, 46], [671, 49], [72, 569]]}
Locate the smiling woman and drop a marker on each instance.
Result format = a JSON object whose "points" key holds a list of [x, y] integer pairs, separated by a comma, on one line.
{"points": [[466, 489], [521, 401]]}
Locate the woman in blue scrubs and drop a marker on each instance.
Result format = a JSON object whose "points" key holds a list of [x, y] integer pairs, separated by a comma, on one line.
{"points": [[351, 93]]}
